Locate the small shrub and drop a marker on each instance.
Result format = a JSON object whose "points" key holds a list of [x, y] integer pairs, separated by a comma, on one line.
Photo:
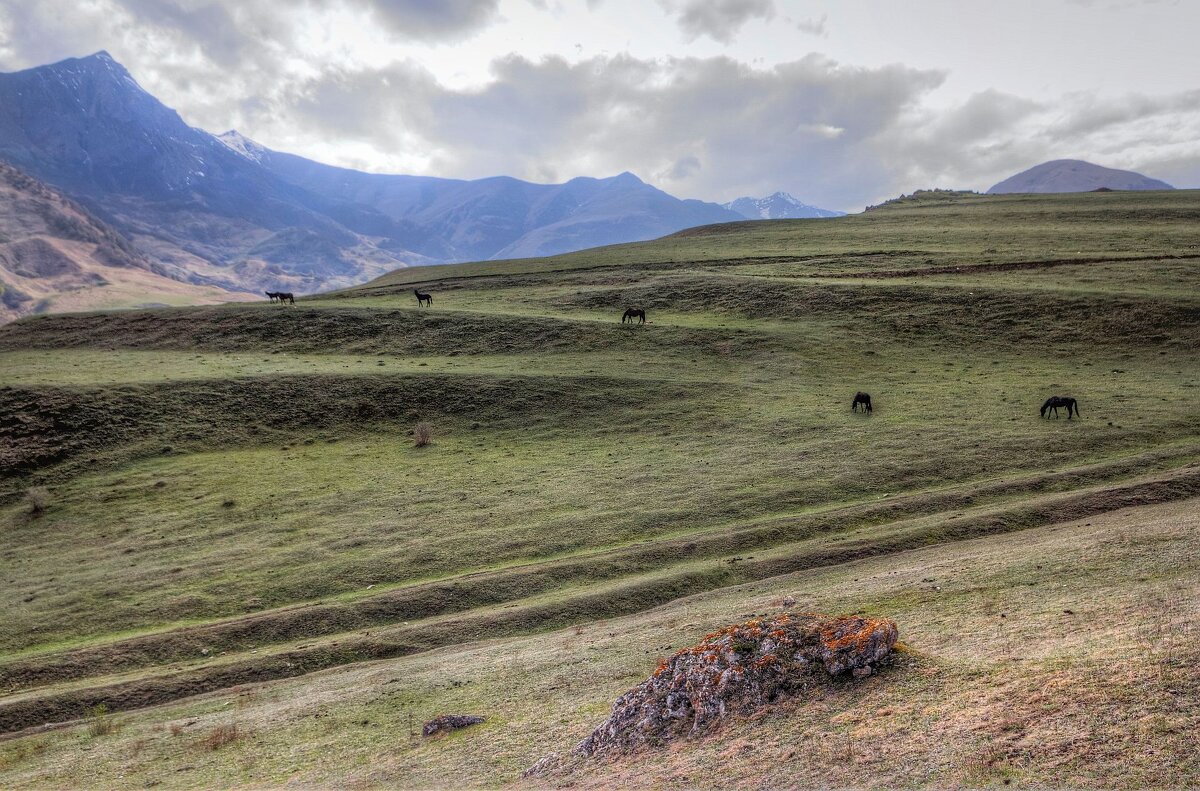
{"points": [[37, 500], [221, 736], [100, 722], [422, 434]]}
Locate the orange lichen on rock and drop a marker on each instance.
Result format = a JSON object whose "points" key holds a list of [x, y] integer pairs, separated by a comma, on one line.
{"points": [[737, 670]]}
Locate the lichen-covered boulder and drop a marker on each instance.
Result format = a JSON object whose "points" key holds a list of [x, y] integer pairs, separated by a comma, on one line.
{"points": [[737, 670]]}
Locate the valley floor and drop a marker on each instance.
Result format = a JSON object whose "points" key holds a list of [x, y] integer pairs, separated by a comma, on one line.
{"points": [[226, 563]]}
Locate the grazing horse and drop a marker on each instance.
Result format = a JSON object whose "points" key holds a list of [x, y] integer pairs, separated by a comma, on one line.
{"points": [[423, 298], [286, 296], [861, 399], [1054, 402], [634, 313], [272, 295]]}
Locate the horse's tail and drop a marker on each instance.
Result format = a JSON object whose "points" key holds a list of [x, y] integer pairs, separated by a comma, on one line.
{"points": [[1075, 404]]}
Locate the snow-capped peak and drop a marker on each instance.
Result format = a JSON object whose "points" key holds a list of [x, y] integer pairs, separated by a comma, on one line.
{"points": [[238, 142], [778, 206]]}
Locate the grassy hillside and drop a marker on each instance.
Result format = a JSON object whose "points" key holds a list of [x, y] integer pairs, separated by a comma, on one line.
{"points": [[231, 495]]}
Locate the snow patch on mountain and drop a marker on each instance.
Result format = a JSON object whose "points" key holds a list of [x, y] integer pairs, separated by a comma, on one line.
{"points": [[243, 145], [778, 206]]}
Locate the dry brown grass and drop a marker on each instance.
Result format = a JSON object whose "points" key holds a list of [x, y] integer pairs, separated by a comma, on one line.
{"points": [[221, 736], [1108, 696]]}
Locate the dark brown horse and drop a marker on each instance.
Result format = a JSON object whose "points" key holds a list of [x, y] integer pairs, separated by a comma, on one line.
{"points": [[861, 399], [1054, 402], [423, 299], [286, 296], [634, 313]]}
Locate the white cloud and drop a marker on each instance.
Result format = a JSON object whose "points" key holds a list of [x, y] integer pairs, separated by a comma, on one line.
{"points": [[352, 82]]}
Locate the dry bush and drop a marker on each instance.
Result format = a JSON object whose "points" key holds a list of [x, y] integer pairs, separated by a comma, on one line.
{"points": [[221, 736], [422, 434], [101, 723], [37, 500]]}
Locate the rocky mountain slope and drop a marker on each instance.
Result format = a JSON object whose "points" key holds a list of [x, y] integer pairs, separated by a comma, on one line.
{"points": [[229, 213], [778, 206], [55, 255], [1074, 175]]}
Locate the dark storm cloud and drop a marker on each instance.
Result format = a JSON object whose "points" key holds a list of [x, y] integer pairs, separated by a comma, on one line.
{"points": [[720, 20], [227, 34], [432, 20], [814, 27]]}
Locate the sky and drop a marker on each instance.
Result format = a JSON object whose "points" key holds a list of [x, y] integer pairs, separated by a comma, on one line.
{"points": [[843, 103]]}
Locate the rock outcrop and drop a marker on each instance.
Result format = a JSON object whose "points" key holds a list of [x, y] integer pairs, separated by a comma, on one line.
{"points": [[444, 723], [737, 670]]}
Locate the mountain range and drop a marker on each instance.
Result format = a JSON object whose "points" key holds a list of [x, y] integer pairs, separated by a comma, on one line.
{"points": [[224, 211], [1075, 175], [778, 206]]}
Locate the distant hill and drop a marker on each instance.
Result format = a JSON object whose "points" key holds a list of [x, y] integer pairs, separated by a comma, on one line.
{"points": [[228, 212], [55, 255], [778, 206], [1074, 175]]}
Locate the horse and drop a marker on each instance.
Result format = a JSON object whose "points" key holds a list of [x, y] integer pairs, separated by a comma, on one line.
{"points": [[286, 296], [861, 399], [423, 298], [272, 295], [1054, 402], [634, 313]]}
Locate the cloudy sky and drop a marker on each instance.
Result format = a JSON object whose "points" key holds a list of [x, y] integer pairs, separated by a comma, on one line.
{"points": [[841, 102]]}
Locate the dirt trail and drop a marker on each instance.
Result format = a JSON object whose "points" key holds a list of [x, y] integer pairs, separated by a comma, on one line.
{"points": [[1011, 266]]}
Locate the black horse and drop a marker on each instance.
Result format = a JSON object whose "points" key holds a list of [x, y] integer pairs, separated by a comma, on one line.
{"points": [[272, 295], [1054, 402], [861, 399], [286, 296], [423, 298], [634, 313]]}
